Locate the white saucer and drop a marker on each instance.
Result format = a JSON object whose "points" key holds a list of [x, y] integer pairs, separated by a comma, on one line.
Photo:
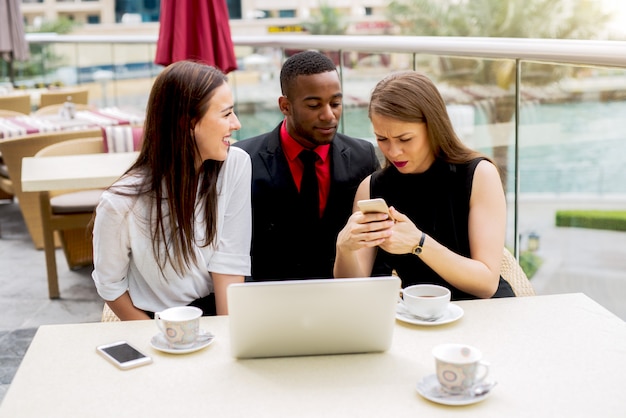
{"points": [[430, 389], [160, 343], [453, 313]]}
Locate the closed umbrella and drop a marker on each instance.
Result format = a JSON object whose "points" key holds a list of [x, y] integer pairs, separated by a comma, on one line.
{"points": [[198, 30], [13, 45]]}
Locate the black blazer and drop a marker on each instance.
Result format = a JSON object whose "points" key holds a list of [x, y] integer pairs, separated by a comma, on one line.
{"points": [[282, 247]]}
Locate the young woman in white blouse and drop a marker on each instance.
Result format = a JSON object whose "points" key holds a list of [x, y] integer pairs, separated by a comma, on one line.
{"points": [[176, 228]]}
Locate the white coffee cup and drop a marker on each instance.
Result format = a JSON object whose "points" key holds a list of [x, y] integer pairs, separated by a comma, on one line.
{"points": [[428, 301], [459, 367], [180, 325]]}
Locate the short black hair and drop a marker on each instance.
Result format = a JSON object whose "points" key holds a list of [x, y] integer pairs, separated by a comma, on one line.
{"points": [[304, 63]]}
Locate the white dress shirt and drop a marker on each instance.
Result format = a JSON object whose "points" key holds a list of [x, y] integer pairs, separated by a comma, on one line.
{"points": [[123, 254]]}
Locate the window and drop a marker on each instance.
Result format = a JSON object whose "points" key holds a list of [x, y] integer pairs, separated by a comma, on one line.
{"points": [[287, 13], [138, 10], [234, 9]]}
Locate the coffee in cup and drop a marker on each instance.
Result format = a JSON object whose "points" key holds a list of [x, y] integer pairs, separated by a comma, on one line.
{"points": [[180, 325], [428, 301], [459, 367]]}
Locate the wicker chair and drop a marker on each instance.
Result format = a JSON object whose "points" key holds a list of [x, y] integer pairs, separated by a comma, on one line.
{"points": [[13, 150], [108, 315], [17, 103], [52, 97], [512, 272]]}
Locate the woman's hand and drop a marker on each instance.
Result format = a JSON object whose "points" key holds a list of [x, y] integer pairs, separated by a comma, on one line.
{"points": [[357, 243], [405, 234], [364, 231]]}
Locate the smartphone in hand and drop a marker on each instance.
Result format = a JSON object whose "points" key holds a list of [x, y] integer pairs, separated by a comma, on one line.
{"points": [[374, 205]]}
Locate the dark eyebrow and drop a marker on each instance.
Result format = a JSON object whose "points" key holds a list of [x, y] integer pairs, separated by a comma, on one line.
{"points": [[336, 96]]}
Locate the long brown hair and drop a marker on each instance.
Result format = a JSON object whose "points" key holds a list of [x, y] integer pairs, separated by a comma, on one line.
{"points": [[412, 97], [179, 98]]}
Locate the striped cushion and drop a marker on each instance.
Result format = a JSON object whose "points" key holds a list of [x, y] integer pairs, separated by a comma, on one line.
{"points": [[122, 138]]}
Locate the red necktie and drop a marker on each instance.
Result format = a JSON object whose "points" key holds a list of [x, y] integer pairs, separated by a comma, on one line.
{"points": [[309, 191]]}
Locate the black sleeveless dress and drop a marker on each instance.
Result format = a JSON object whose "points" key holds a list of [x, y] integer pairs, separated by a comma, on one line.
{"points": [[437, 201]]}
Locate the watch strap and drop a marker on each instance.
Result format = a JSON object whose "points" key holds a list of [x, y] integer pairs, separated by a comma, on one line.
{"points": [[417, 250]]}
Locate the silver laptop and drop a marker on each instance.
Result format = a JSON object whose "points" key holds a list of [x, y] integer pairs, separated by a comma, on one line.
{"points": [[312, 317]]}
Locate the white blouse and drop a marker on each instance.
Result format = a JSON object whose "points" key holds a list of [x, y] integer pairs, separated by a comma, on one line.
{"points": [[122, 244]]}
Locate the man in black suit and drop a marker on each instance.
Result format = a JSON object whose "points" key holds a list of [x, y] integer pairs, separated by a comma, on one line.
{"points": [[289, 240]]}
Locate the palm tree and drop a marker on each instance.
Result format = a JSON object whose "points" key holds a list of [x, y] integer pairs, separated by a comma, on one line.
{"points": [[564, 19], [328, 21]]}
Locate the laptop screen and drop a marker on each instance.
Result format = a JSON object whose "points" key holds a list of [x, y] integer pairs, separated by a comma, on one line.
{"points": [[312, 317]]}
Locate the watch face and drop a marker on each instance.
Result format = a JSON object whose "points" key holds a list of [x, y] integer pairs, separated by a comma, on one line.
{"points": [[417, 250]]}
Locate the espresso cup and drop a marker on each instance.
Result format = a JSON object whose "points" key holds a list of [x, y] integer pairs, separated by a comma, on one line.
{"points": [[180, 325], [459, 367], [428, 301]]}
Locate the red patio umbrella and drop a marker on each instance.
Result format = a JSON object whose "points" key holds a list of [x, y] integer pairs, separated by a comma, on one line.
{"points": [[195, 29], [13, 45]]}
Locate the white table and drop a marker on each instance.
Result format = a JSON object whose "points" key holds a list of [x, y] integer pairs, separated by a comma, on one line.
{"points": [[84, 171], [66, 172], [553, 356]]}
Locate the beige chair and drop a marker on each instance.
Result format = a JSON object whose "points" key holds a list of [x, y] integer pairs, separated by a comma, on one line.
{"points": [[68, 213], [55, 109], [512, 272], [52, 97], [4, 113], [16, 102], [108, 315], [13, 150]]}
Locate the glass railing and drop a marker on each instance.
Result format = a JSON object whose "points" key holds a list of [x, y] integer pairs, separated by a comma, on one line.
{"points": [[549, 112]]}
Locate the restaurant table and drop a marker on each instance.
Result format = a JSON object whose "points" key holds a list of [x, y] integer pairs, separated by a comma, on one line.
{"points": [[552, 356], [69, 172], [84, 119], [83, 171]]}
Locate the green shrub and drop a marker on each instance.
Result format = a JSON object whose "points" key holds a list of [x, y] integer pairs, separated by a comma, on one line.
{"points": [[613, 220], [530, 263]]}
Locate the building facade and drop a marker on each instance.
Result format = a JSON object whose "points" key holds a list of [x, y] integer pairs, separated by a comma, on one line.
{"points": [[129, 12]]}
